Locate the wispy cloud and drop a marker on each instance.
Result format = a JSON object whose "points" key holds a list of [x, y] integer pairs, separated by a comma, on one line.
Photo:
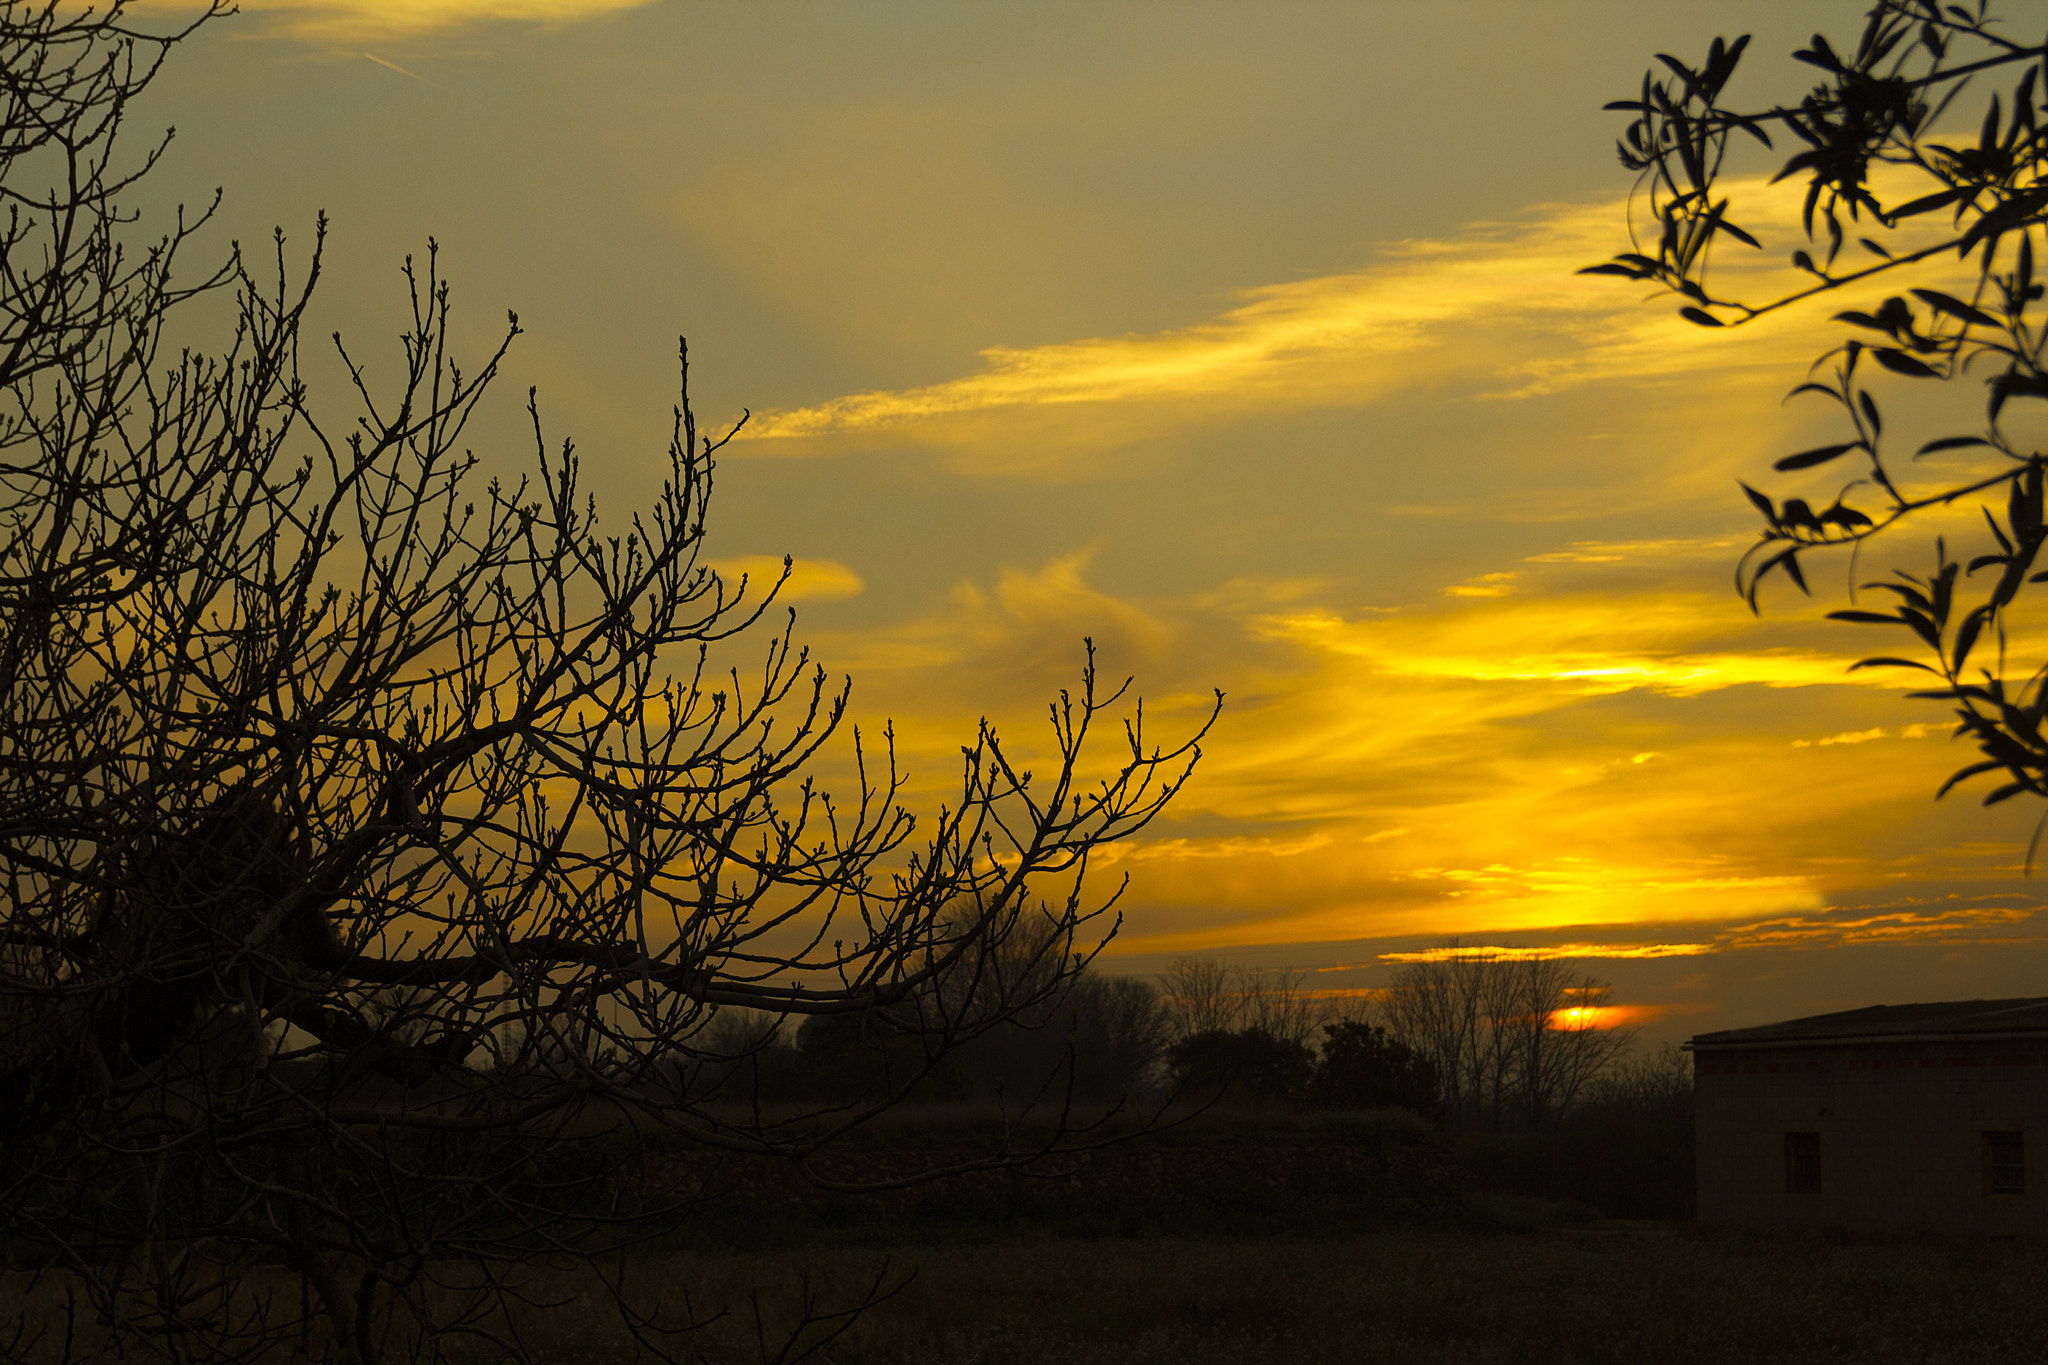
{"points": [[1477, 952], [1640, 551], [1498, 306], [1905, 924], [1676, 887], [355, 21], [1590, 732], [1865, 736], [810, 580], [1485, 585], [394, 66], [1007, 643], [1180, 850], [1665, 640]]}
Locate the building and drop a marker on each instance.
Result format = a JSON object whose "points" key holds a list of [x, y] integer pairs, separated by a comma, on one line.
{"points": [[1896, 1116]]}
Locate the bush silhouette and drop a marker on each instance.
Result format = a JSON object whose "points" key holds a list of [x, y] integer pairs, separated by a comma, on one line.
{"points": [[1365, 1067], [1251, 1063]]}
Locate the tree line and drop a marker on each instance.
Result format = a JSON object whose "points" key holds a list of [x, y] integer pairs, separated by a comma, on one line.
{"points": [[1478, 1038]]}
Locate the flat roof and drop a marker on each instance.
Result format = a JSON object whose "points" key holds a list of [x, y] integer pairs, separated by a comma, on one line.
{"points": [[1894, 1023]]}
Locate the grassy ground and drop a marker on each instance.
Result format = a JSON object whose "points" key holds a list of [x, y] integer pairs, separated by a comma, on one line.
{"points": [[1584, 1292], [1251, 1259], [1510, 1285]]}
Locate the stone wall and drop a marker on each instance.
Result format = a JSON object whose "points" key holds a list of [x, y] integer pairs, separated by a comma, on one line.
{"points": [[1901, 1134]]}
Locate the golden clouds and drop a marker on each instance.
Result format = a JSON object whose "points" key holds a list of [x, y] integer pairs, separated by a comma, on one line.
{"points": [[810, 580], [1636, 551], [1572, 889], [356, 21], [1338, 340], [1588, 644], [1485, 585], [1579, 734], [1891, 924], [1236, 846], [1497, 309], [1833, 927], [1453, 952], [1026, 627], [1865, 736], [1458, 764], [999, 651]]}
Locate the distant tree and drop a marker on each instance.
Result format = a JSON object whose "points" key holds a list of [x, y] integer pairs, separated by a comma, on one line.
{"points": [[1627, 1147], [373, 835], [1362, 1066], [1119, 1032], [1651, 1081], [1514, 1039], [1246, 1065], [1280, 1003], [1930, 185], [1088, 1040], [1204, 994]]}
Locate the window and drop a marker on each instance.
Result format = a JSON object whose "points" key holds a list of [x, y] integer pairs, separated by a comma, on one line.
{"points": [[1802, 1163], [2005, 1163]]}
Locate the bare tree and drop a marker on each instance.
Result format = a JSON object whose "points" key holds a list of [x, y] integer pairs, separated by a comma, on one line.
{"points": [[1435, 1008], [1515, 1038], [375, 834], [1092, 1044], [1202, 996], [1205, 995], [1659, 1079], [1120, 1030], [1280, 1003]]}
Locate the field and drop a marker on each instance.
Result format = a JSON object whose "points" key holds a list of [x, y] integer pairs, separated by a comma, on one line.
{"points": [[1360, 1238], [1560, 1293]]}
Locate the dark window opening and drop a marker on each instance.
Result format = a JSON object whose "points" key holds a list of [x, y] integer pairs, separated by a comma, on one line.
{"points": [[1802, 1163], [2005, 1163]]}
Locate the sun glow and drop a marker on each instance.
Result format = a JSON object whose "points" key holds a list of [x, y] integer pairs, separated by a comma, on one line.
{"points": [[1578, 1018]]}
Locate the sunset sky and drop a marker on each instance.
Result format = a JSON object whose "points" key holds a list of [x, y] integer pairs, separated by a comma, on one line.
{"points": [[1244, 339]]}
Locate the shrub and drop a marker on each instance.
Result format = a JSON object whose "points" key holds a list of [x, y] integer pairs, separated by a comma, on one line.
{"points": [[1365, 1067]]}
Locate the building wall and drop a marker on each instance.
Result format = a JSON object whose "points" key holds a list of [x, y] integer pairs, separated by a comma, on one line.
{"points": [[1901, 1134]]}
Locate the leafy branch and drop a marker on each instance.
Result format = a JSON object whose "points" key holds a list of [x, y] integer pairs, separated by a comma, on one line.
{"points": [[1886, 104]]}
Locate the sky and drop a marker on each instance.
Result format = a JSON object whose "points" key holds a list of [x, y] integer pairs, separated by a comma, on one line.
{"points": [[1244, 340]]}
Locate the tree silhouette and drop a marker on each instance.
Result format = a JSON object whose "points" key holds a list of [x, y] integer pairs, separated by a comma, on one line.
{"points": [[377, 831], [1513, 1039], [1887, 153], [1362, 1066], [1245, 1065]]}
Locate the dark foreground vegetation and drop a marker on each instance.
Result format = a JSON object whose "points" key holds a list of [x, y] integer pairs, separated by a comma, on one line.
{"points": [[1395, 1294], [1249, 1274], [1232, 1233]]}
